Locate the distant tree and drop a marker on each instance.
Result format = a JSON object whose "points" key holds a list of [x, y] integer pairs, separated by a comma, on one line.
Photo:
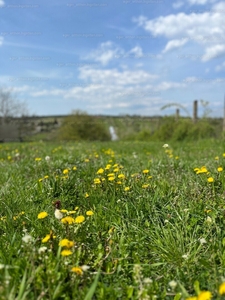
{"points": [[80, 126], [9, 106]]}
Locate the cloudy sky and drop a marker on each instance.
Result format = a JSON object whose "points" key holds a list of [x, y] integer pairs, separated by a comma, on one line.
{"points": [[113, 57]]}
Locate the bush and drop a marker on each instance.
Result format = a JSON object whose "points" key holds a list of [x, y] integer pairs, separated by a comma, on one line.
{"points": [[80, 126]]}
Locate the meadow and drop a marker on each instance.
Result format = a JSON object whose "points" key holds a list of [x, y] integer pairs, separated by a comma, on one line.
{"points": [[112, 220]]}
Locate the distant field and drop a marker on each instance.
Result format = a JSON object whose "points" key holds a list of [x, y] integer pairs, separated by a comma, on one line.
{"points": [[136, 221]]}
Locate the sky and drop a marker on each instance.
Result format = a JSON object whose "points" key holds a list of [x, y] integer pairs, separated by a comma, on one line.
{"points": [[114, 57]]}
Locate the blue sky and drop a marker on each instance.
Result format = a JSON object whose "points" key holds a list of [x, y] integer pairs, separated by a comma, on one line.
{"points": [[113, 57]]}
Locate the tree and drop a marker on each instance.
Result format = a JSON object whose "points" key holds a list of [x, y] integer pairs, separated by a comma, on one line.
{"points": [[9, 106]]}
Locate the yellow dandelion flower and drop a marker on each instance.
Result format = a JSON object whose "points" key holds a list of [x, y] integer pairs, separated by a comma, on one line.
{"points": [[111, 178], [126, 188], [108, 167], [66, 243], [42, 215], [74, 168], [121, 176], [65, 171], [38, 158], [64, 210], [217, 157], [222, 289], [119, 182], [89, 213], [145, 186], [100, 171], [116, 170], [86, 160], [97, 181], [71, 212], [86, 195], [210, 179], [66, 252], [77, 270], [67, 220], [205, 295], [76, 208], [219, 169], [40, 179], [150, 177], [110, 174], [46, 239], [145, 171], [223, 154], [79, 219]]}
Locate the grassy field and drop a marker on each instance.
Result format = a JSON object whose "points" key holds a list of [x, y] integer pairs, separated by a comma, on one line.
{"points": [[116, 220]]}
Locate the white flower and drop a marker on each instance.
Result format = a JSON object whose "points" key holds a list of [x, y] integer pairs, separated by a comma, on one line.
{"points": [[42, 249], [58, 214], [173, 284], [208, 220], [47, 158], [202, 241], [165, 146], [85, 267], [185, 256], [27, 238]]}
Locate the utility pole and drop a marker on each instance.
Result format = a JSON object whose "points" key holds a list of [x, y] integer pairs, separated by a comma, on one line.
{"points": [[177, 114]]}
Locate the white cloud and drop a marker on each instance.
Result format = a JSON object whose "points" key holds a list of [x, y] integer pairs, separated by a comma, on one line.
{"points": [[105, 53], [136, 51], [205, 29], [174, 44], [220, 67], [213, 52], [2, 3], [198, 2], [178, 4]]}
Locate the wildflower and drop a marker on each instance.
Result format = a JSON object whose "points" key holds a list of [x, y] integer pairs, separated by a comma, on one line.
{"points": [[165, 146], [100, 171], [111, 178], [42, 215], [47, 158], [66, 252], [126, 189], [185, 256], [222, 289], [210, 179], [85, 268], [79, 219], [74, 168], [66, 243], [67, 220], [42, 249], [38, 159], [172, 284], [46, 177], [145, 186], [86, 195], [89, 213], [97, 181], [64, 210], [65, 171], [58, 214], [202, 241], [121, 176], [223, 154], [145, 171], [108, 167], [217, 157], [46, 239], [219, 169], [205, 295], [27, 238], [77, 270], [86, 160], [208, 220]]}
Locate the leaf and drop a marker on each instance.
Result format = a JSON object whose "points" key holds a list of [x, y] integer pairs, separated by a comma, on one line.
{"points": [[92, 289]]}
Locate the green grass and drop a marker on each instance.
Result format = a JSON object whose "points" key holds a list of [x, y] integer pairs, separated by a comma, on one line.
{"points": [[157, 234]]}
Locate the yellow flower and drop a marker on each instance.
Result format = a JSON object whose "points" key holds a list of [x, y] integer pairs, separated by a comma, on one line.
{"points": [[64, 210], [65, 171], [89, 213], [126, 188], [42, 215], [222, 289], [66, 252], [66, 243], [223, 154], [210, 179], [100, 171], [67, 220], [79, 219], [205, 295], [86, 160], [97, 181], [144, 186], [219, 169], [46, 239], [116, 170], [77, 270], [217, 157], [111, 178], [108, 167], [121, 176], [37, 159], [145, 171], [74, 168], [86, 195]]}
